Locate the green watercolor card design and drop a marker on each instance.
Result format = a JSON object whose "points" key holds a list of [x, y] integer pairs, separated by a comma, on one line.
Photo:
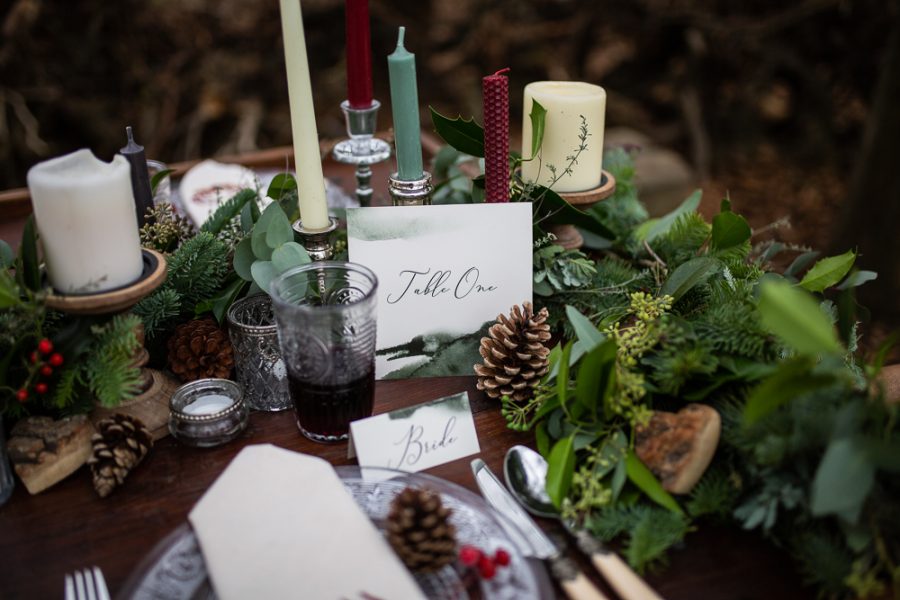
{"points": [[444, 274]]}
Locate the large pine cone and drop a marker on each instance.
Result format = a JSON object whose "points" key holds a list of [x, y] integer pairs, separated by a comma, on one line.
{"points": [[121, 442], [515, 357], [419, 530], [200, 349]]}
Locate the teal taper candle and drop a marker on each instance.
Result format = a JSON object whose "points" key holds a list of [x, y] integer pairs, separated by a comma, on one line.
{"points": [[405, 104]]}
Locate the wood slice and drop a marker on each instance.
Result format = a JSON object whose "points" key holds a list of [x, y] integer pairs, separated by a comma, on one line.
{"points": [[151, 407], [116, 300], [567, 236]]}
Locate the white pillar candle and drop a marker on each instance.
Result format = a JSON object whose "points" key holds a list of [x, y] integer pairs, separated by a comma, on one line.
{"points": [[566, 102], [84, 211], [307, 160]]}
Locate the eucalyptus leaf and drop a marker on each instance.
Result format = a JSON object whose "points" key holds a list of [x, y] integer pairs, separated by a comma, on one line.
{"points": [[243, 259], [7, 256], [264, 272], [801, 262], [247, 217], [261, 249], [279, 229], [443, 160], [857, 278], [828, 272], [794, 316], [729, 230], [288, 256], [646, 481], [538, 116], [843, 480], [689, 274], [467, 136], [560, 468]]}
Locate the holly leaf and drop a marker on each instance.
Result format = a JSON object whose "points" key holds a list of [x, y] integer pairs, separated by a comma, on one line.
{"points": [[560, 469], [538, 116], [828, 271], [795, 317], [467, 136]]}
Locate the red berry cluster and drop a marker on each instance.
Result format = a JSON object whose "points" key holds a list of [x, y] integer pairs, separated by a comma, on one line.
{"points": [[486, 565], [44, 360]]}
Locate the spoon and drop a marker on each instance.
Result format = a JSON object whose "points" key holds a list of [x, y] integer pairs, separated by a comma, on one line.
{"points": [[526, 475]]}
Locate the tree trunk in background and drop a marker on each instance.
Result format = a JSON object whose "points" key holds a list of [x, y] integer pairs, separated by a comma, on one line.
{"points": [[872, 212]]}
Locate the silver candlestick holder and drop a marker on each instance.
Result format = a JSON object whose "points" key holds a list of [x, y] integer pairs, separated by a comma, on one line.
{"points": [[317, 242], [363, 149], [416, 192]]}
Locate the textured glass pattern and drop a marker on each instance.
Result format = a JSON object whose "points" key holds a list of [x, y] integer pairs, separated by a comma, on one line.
{"points": [[257, 357], [175, 568], [325, 313]]}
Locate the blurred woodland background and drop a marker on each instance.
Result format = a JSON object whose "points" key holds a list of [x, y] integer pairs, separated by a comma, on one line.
{"points": [[792, 108]]}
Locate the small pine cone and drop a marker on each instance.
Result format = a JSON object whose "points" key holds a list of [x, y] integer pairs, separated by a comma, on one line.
{"points": [[419, 530], [121, 442], [515, 357], [199, 349]]}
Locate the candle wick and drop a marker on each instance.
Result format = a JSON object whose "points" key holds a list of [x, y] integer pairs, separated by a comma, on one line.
{"points": [[129, 133], [501, 72], [400, 37]]}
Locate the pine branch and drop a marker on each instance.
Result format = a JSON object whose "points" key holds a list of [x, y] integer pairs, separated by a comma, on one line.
{"points": [[198, 268], [227, 211], [158, 310], [108, 366]]}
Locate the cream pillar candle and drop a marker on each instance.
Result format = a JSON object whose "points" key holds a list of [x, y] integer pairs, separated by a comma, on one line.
{"points": [[307, 160], [566, 102], [84, 210]]}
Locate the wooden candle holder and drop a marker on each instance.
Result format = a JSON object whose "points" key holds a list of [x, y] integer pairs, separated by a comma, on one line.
{"points": [[567, 236], [151, 406]]}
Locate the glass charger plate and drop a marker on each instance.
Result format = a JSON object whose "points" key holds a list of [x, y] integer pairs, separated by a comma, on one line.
{"points": [[175, 569]]}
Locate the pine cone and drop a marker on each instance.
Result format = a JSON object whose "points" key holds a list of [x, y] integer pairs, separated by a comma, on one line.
{"points": [[419, 530], [121, 442], [200, 349], [515, 357]]}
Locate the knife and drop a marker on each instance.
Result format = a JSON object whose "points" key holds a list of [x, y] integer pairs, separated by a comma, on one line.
{"points": [[530, 539]]}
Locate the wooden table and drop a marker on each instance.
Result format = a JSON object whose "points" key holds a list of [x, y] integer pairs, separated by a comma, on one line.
{"points": [[68, 527]]}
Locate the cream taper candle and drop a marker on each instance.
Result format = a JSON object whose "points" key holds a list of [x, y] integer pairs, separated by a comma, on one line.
{"points": [[308, 161], [566, 102], [84, 211]]}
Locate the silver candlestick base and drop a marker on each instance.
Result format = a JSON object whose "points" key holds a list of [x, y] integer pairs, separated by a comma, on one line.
{"points": [[410, 193], [317, 241], [363, 149]]}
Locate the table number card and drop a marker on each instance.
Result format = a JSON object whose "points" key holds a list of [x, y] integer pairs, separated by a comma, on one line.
{"points": [[444, 274], [416, 438]]}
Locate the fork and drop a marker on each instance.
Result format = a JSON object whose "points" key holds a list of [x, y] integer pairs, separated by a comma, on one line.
{"points": [[87, 584]]}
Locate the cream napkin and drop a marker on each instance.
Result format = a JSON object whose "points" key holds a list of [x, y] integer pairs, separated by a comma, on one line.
{"points": [[278, 524]]}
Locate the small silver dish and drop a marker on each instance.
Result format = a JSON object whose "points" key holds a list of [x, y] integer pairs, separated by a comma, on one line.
{"points": [[207, 412]]}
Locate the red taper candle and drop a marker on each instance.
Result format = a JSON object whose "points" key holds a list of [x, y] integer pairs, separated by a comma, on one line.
{"points": [[495, 91], [359, 54]]}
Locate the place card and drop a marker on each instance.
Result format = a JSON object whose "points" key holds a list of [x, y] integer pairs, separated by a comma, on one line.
{"points": [[444, 274], [416, 438]]}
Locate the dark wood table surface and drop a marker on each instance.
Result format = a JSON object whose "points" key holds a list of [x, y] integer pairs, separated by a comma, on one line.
{"points": [[69, 527]]}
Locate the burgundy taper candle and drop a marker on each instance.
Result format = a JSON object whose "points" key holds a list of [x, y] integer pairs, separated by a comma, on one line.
{"points": [[495, 91], [359, 54]]}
